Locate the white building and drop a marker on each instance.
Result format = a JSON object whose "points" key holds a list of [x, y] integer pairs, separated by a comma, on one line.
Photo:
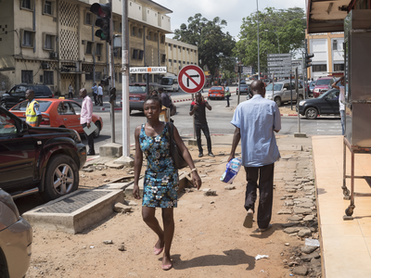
{"points": [[328, 54]]}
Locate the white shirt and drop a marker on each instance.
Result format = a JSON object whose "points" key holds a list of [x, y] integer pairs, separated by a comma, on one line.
{"points": [[100, 90]]}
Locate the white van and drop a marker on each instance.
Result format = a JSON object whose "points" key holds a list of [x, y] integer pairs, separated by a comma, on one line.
{"points": [[170, 83]]}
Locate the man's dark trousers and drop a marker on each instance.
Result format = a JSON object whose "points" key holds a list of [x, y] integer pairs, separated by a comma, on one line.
{"points": [[206, 131], [263, 178], [90, 140]]}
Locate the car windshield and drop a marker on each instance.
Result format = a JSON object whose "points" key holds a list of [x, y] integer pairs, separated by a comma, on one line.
{"points": [[167, 81], [277, 87], [43, 105], [137, 89], [216, 88], [323, 82]]}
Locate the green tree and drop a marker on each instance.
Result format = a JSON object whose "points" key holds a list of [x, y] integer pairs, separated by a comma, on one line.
{"points": [[280, 31], [213, 44]]}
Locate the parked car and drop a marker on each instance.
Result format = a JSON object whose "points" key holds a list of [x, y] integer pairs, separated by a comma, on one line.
{"points": [[322, 85], [17, 94], [137, 95], [283, 91], [216, 92], [325, 104], [311, 86], [38, 159], [244, 88], [170, 83], [59, 113], [15, 239]]}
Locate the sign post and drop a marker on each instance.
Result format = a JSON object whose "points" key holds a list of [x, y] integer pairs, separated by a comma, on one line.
{"points": [[191, 80]]}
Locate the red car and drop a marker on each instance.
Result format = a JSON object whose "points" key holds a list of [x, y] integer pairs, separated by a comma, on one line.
{"points": [[322, 85], [216, 92], [59, 113]]}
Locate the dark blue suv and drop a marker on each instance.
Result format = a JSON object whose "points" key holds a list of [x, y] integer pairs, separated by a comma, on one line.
{"points": [[17, 94]]}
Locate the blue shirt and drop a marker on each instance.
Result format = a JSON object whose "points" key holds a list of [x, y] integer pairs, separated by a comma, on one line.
{"points": [[257, 119]]}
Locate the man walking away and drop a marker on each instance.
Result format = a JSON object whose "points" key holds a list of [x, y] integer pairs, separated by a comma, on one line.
{"points": [[100, 94], [94, 88], [32, 114], [86, 118], [198, 109], [256, 120]]}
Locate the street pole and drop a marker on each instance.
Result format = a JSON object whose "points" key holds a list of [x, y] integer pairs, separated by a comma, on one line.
{"points": [[298, 133], [258, 44], [111, 73], [125, 81]]}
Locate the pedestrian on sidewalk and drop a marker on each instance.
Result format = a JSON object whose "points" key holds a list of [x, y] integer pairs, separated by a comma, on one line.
{"points": [[256, 120], [70, 91], [94, 89], [100, 94], [161, 178], [86, 118], [227, 95], [198, 109], [340, 85]]}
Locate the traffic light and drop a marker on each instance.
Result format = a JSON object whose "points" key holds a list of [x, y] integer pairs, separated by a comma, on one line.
{"points": [[308, 59], [103, 12]]}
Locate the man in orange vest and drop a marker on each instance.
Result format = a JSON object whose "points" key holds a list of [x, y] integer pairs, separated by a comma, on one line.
{"points": [[32, 114]]}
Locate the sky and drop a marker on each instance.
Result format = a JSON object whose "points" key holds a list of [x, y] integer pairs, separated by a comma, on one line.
{"points": [[233, 11]]}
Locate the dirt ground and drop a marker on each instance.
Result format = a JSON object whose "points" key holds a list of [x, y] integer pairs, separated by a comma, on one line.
{"points": [[209, 240]]}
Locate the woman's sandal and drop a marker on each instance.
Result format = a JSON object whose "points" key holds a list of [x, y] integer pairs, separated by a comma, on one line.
{"points": [[157, 251], [166, 266]]}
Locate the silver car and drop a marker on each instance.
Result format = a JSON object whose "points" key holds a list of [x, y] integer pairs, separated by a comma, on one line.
{"points": [[283, 91], [15, 239]]}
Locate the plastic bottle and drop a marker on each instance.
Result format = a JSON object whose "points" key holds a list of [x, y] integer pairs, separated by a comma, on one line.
{"points": [[232, 168]]}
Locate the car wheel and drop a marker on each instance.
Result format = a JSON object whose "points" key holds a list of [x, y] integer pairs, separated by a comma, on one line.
{"points": [[278, 101], [97, 131], [61, 177], [311, 113]]}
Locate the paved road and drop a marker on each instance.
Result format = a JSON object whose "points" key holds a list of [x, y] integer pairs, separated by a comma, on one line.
{"points": [[219, 122]]}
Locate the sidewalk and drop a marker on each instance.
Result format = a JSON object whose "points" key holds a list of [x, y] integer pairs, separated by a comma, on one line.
{"points": [[346, 245]]}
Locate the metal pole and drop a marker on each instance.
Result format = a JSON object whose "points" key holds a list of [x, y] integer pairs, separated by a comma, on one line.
{"points": [[111, 74], [258, 44], [297, 97], [239, 70], [125, 81]]}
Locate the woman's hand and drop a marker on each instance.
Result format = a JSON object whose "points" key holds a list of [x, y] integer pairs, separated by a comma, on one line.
{"points": [[136, 192], [196, 180]]}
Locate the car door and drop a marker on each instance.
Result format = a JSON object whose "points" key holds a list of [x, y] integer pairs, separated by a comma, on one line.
{"points": [[71, 115], [330, 105], [17, 155]]}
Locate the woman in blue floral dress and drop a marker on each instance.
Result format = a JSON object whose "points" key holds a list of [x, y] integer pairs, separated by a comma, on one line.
{"points": [[161, 177]]}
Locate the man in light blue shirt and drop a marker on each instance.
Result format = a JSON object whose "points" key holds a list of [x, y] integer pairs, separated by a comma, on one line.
{"points": [[256, 120]]}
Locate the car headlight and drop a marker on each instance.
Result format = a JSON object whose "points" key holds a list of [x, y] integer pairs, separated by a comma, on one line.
{"points": [[77, 137], [301, 103], [316, 90]]}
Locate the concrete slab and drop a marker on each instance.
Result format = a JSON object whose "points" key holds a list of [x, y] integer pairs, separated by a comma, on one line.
{"points": [[75, 212]]}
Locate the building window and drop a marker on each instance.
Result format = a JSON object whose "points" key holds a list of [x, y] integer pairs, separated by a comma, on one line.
{"points": [[140, 31], [99, 48], [48, 78], [89, 46], [334, 45], [316, 68], [141, 52], [88, 18], [48, 7], [28, 38], [49, 42], [163, 58], [27, 76], [133, 31], [338, 67], [135, 54], [26, 4]]}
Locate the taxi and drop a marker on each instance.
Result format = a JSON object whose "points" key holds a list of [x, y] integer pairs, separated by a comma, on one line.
{"points": [[216, 92], [59, 113]]}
